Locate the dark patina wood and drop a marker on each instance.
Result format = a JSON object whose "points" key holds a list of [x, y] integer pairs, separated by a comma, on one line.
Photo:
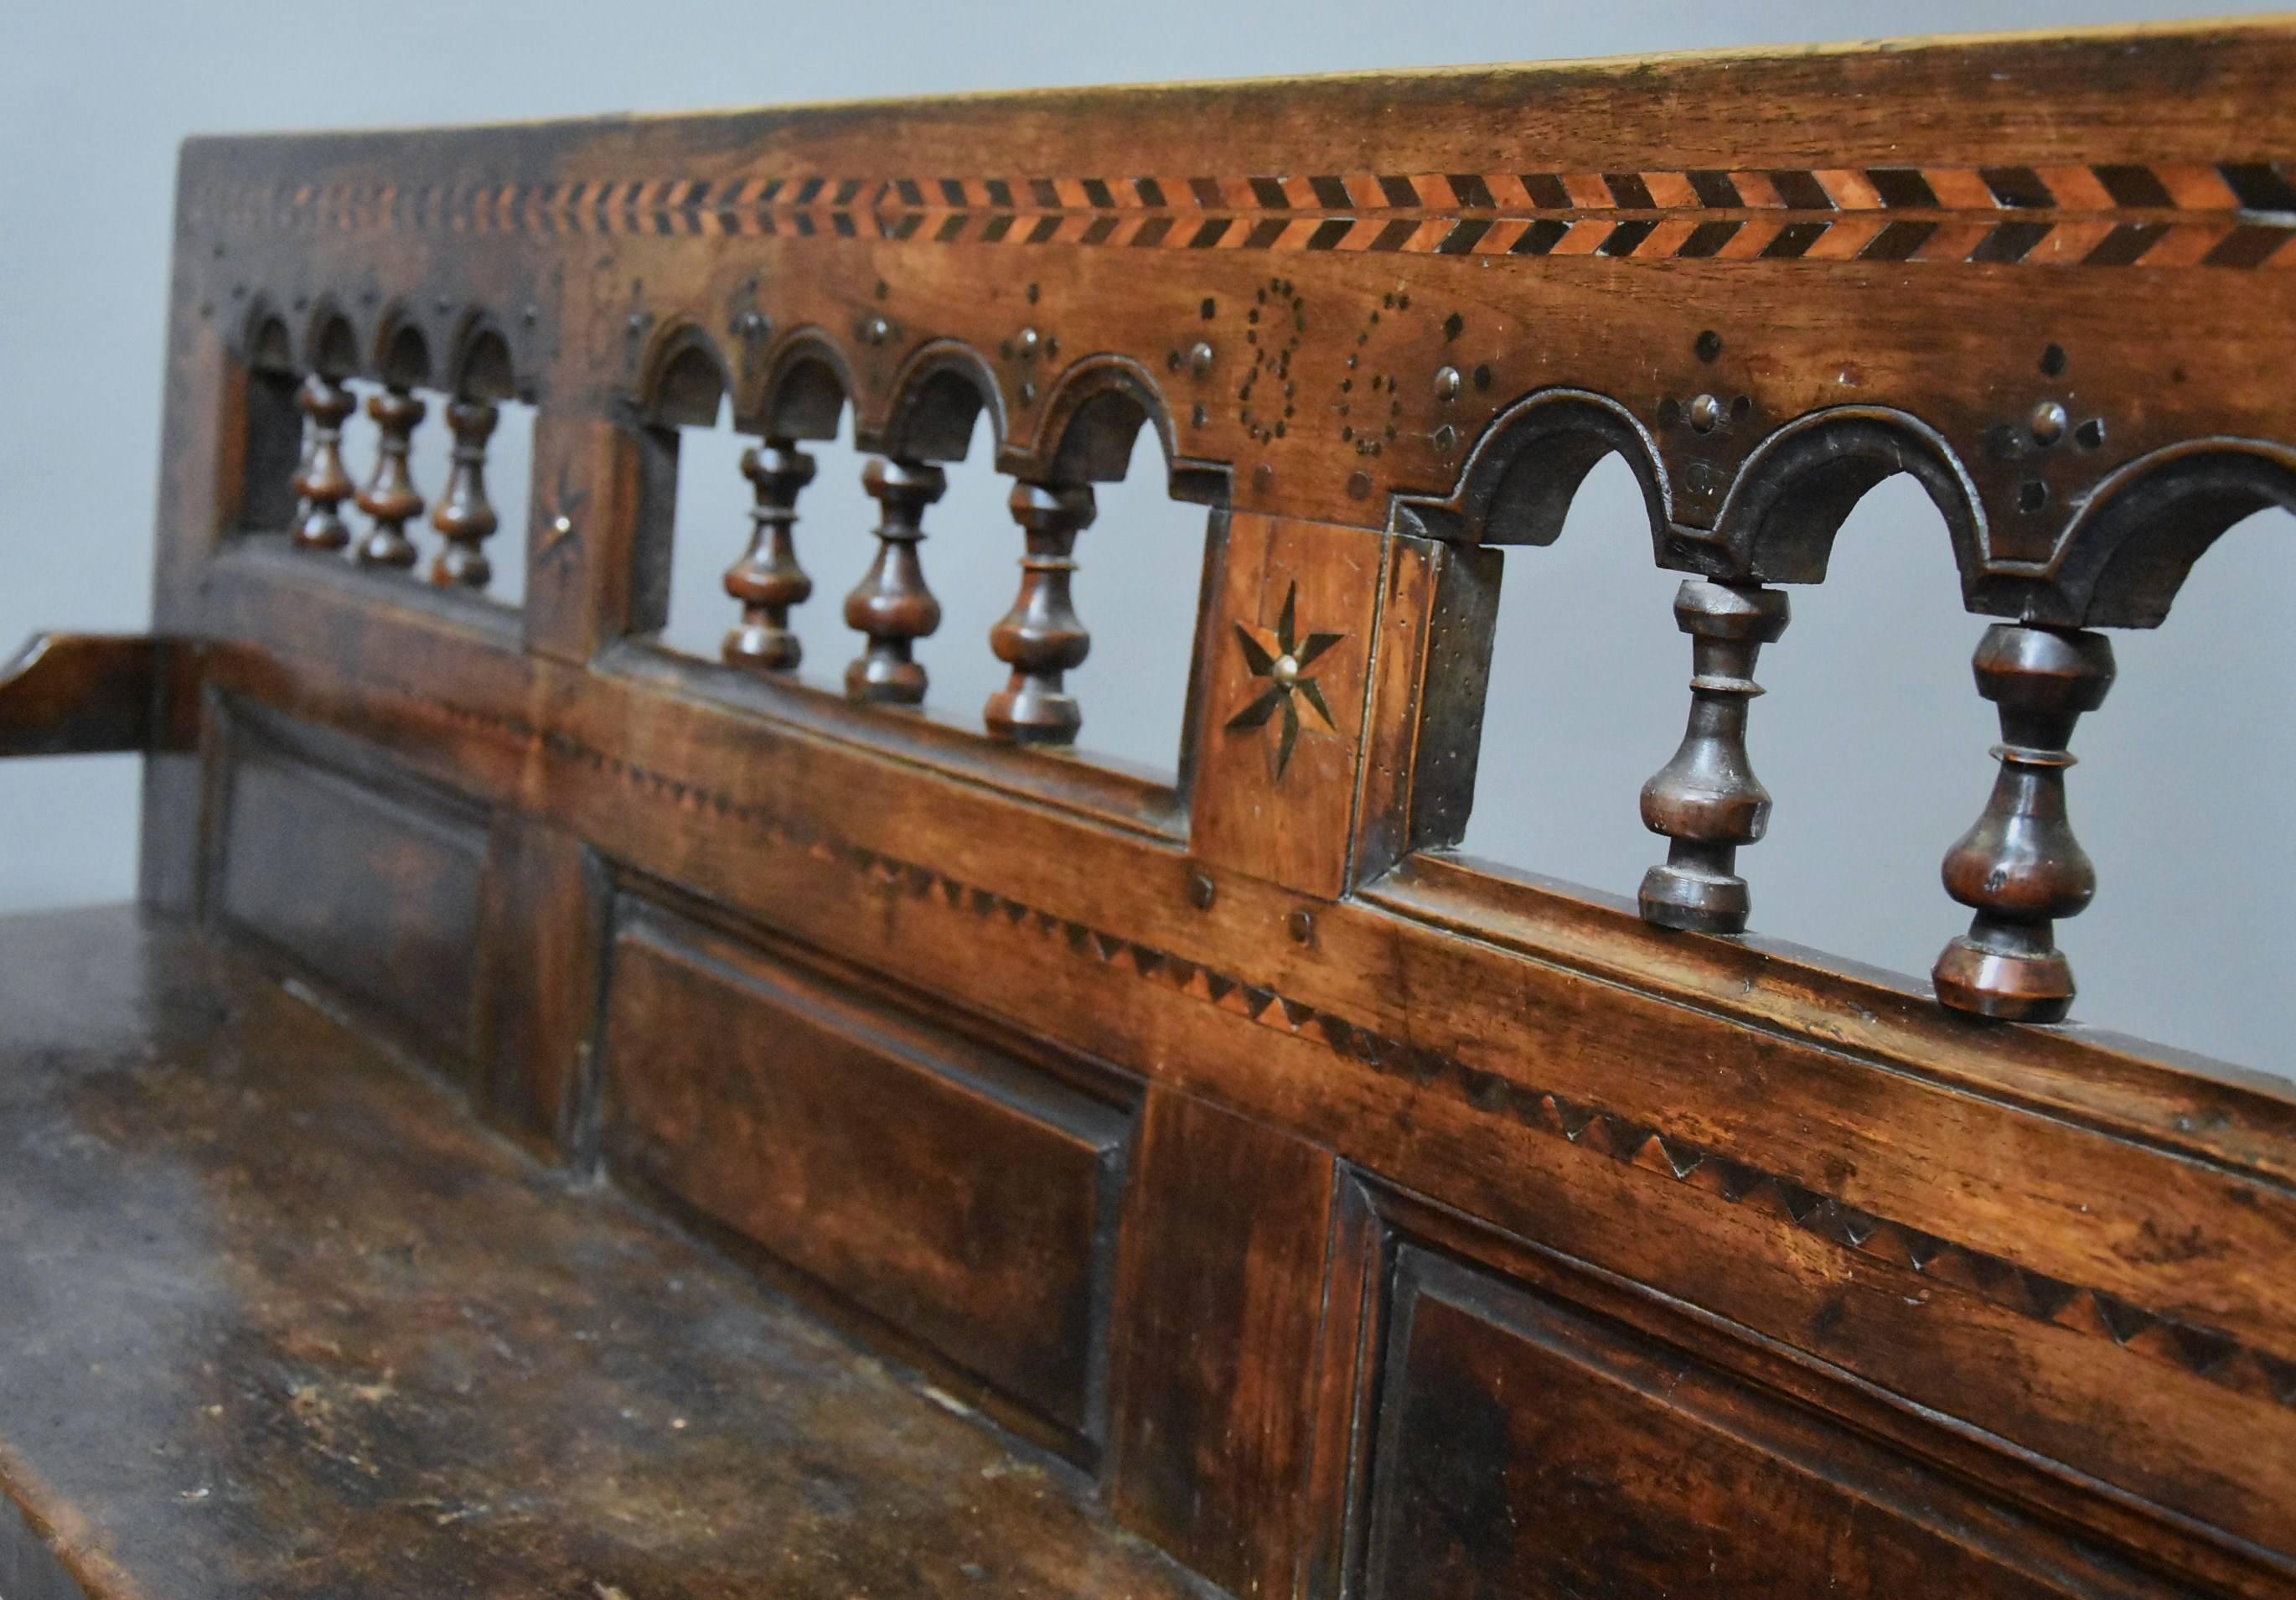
{"points": [[290, 1326], [1340, 1217]]}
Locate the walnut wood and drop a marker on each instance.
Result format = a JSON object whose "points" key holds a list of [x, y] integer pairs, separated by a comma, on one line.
{"points": [[1367, 1219], [768, 580], [464, 516], [390, 497], [1041, 638], [890, 606], [2019, 867], [1707, 799], [322, 482]]}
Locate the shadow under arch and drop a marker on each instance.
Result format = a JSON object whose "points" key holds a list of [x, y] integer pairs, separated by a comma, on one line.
{"points": [[1799, 486], [1518, 479], [265, 343], [682, 380], [1090, 423], [940, 392], [402, 352], [800, 391], [481, 367], [2135, 542], [330, 342]]}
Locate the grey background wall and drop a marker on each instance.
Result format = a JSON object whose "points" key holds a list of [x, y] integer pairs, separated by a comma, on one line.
{"points": [[1871, 738]]}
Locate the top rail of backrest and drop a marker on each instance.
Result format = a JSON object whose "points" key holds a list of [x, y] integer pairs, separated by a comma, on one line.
{"points": [[2049, 276]]}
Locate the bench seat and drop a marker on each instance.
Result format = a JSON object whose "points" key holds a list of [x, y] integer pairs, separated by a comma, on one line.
{"points": [[277, 1319]]}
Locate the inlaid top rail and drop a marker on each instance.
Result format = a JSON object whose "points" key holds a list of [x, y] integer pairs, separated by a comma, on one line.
{"points": [[2050, 277]]}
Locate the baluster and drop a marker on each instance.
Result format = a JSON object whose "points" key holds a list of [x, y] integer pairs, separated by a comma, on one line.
{"points": [[389, 497], [768, 580], [464, 515], [2020, 868], [1707, 799], [891, 605], [321, 482], [1041, 638]]}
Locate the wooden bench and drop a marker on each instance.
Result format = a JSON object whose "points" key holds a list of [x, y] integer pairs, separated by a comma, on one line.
{"points": [[570, 1118]]}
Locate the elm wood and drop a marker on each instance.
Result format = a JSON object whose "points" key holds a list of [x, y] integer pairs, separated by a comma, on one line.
{"points": [[371, 883], [830, 818], [890, 606], [599, 548], [943, 1186], [1465, 1490], [1041, 638], [465, 517], [767, 579], [1988, 1176], [322, 482], [2019, 867], [73, 694], [542, 936], [1448, 1030], [1707, 799], [296, 1328], [1275, 805], [1217, 1302], [1836, 238], [389, 497], [1423, 738]]}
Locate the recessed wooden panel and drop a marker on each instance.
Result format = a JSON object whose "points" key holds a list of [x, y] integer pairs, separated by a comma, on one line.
{"points": [[946, 1188], [1526, 1446], [372, 885]]}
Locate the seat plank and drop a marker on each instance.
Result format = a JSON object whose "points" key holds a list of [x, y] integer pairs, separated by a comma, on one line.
{"points": [[281, 1322]]}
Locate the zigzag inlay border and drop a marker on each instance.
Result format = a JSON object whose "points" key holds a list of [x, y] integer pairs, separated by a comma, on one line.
{"points": [[2231, 214], [2209, 1353]]}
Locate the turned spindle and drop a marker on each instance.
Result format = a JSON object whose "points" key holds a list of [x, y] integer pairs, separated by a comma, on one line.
{"points": [[321, 483], [768, 580], [1707, 799], [891, 605], [389, 497], [2020, 868], [464, 516], [1041, 638]]}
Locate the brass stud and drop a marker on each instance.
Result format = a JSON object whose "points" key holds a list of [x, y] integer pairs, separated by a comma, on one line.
{"points": [[1705, 413], [2049, 422], [1200, 358], [1447, 383]]}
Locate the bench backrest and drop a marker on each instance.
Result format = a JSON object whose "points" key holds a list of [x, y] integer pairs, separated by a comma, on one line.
{"points": [[1373, 1223]]}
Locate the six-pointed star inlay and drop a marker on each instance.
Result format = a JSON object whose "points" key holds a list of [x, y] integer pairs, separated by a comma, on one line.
{"points": [[1285, 670]]}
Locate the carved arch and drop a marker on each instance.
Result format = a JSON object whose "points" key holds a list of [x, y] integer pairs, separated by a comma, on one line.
{"points": [[265, 343], [682, 379], [940, 392], [402, 351], [1799, 485], [2137, 539], [1518, 479], [800, 391], [1086, 431], [330, 342], [481, 367]]}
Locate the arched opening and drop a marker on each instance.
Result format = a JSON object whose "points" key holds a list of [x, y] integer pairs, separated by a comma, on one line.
{"points": [[272, 425]]}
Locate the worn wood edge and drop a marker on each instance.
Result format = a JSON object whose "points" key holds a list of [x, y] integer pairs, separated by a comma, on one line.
{"points": [[2106, 1082], [58, 1547], [1065, 97]]}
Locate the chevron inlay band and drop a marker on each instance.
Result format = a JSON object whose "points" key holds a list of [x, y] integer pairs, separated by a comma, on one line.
{"points": [[2236, 214]]}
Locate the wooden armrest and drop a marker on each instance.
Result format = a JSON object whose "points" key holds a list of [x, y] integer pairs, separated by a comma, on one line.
{"points": [[81, 695]]}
